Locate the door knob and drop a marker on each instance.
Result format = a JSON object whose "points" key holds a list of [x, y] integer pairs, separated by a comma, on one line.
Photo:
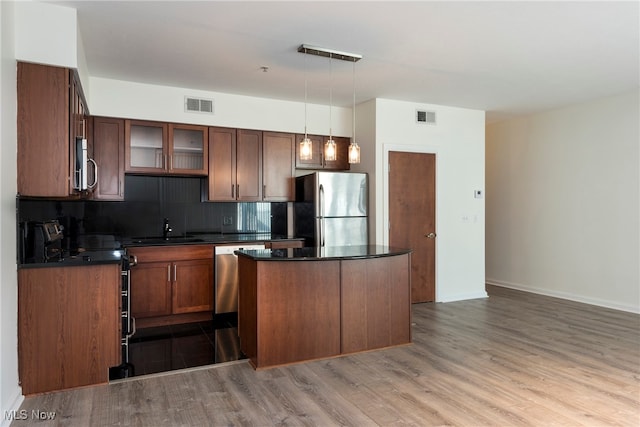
{"points": [[430, 235]]}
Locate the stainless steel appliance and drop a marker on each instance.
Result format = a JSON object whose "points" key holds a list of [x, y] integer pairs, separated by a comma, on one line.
{"points": [[126, 368], [226, 277], [331, 208], [41, 241], [82, 161]]}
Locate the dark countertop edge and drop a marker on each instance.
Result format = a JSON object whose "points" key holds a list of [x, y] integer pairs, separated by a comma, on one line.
{"points": [[69, 263], [391, 252], [198, 241]]}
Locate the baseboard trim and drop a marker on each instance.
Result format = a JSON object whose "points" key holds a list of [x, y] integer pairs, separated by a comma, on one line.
{"points": [[564, 295], [461, 297]]}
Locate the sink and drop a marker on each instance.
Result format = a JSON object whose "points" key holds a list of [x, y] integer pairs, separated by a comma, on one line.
{"points": [[161, 240]]}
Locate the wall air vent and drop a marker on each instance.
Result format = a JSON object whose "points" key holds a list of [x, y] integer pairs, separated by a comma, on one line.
{"points": [[426, 117], [198, 105]]}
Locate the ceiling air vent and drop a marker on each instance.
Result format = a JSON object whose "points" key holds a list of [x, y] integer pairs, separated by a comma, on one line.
{"points": [[198, 105], [426, 117]]}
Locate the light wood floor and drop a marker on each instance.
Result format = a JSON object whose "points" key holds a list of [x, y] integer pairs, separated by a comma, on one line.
{"points": [[513, 359]]}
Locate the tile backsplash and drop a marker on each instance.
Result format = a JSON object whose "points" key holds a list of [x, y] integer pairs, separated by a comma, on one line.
{"points": [[150, 199]]}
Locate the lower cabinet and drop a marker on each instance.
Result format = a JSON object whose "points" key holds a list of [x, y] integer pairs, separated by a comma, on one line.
{"points": [[171, 284], [305, 309], [68, 326]]}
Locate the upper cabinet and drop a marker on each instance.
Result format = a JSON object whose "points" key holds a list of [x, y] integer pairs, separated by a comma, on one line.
{"points": [[51, 115], [250, 166], [318, 160], [235, 165], [278, 167], [161, 148], [107, 146]]}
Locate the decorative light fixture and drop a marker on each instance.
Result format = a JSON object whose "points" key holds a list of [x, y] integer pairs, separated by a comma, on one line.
{"points": [[330, 146], [354, 148], [306, 146]]}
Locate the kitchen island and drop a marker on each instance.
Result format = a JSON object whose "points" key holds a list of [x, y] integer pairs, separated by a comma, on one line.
{"points": [[312, 303]]}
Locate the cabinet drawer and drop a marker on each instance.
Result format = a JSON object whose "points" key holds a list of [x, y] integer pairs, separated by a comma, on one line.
{"points": [[171, 253]]}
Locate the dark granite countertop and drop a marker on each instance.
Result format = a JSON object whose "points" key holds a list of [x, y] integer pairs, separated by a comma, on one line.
{"points": [[324, 253], [204, 238], [93, 257], [109, 249]]}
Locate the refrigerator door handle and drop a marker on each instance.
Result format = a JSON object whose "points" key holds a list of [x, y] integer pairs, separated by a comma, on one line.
{"points": [[321, 200]]}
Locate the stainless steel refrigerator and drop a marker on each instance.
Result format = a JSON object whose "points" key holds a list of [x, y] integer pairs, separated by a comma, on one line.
{"points": [[331, 208]]}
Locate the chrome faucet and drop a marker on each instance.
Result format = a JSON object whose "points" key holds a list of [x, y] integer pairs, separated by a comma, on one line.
{"points": [[166, 229]]}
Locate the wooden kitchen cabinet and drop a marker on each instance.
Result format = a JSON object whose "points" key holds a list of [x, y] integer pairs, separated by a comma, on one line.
{"points": [[278, 167], [150, 289], [51, 113], [68, 326], [107, 146], [317, 159], [165, 148], [235, 165], [188, 149], [375, 295], [192, 286], [171, 284]]}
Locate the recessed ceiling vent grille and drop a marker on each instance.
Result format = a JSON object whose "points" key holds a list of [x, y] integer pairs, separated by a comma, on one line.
{"points": [[426, 117], [198, 105]]}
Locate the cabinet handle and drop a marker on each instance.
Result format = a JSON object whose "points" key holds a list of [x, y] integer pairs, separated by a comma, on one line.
{"points": [[95, 175], [168, 272], [170, 162], [264, 190], [175, 273], [238, 191], [233, 190], [164, 161]]}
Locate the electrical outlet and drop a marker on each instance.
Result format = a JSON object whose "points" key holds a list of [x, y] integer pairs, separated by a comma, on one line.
{"points": [[227, 220]]}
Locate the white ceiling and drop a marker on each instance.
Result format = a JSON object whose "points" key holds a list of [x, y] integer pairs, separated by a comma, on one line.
{"points": [[507, 58]]}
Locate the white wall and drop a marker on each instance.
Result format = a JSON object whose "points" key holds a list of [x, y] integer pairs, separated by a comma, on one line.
{"points": [[46, 34], [563, 198], [10, 392], [118, 98], [458, 142]]}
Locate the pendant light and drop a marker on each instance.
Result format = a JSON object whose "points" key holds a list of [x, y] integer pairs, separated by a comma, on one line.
{"points": [[330, 150], [330, 145], [306, 146], [354, 148]]}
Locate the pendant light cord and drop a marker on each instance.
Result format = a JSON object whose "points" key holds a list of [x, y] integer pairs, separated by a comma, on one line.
{"points": [[305, 94], [354, 102], [330, 95]]}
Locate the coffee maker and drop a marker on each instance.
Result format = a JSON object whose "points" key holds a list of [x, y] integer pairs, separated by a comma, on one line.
{"points": [[41, 241]]}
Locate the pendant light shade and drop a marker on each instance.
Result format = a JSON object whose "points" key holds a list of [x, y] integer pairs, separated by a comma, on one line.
{"points": [[306, 149], [354, 152], [330, 150], [306, 146]]}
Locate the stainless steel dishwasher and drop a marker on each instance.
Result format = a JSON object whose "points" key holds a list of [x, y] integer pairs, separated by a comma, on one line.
{"points": [[226, 282]]}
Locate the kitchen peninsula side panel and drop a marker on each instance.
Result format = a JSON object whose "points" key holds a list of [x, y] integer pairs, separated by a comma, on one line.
{"points": [[297, 311]]}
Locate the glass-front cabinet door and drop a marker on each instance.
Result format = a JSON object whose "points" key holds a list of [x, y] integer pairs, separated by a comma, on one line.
{"points": [[188, 149], [161, 148], [146, 149]]}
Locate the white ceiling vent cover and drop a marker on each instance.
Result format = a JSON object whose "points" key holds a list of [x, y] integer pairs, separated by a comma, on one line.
{"points": [[198, 105], [426, 117]]}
